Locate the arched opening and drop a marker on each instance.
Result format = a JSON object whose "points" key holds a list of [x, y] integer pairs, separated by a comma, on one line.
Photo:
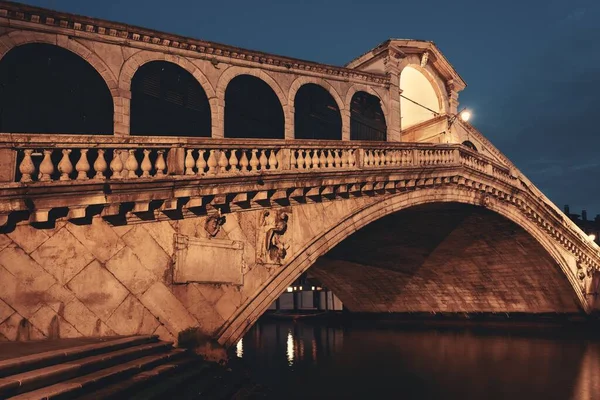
{"points": [[469, 144], [418, 99], [446, 257], [167, 100], [252, 110], [367, 121], [48, 89], [431, 254], [316, 114]]}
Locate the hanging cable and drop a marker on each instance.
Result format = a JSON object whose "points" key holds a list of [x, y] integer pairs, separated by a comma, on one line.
{"points": [[435, 113]]}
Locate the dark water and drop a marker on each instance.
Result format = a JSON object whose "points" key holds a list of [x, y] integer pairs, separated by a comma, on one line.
{"points": [[308, 360]]}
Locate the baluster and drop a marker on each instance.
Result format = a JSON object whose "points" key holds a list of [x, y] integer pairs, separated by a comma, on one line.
{"points": [[212, 162], [116, 165], [351, 158], [388, 157], [293, 159], [223, 163], [329, 159], [146, 164], [344, 158], [264, 161], [337, 159], [100, 165], [308, 159], [244, 162], [131, 164], [201, 163], [83, 166], [300, 159], [160, 165], [372, 158], [377, 156], [65, 167], [394, 157], [254, 160], [27, 168], [46, 167], [322, 159], [315, 159], [233, 161], [273, 160], [189, 162]]}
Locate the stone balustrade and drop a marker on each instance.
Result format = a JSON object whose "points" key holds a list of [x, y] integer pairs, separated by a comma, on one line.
{"points": [[79, 159]]}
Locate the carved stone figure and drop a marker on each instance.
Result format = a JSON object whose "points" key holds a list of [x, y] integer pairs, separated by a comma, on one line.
{"points": [[213, 224], [272, 244]]}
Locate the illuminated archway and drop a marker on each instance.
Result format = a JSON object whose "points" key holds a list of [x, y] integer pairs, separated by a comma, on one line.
{"points": [[419, 100]]}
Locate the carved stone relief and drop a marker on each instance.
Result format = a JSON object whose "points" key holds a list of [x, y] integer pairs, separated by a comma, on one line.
{"points": [[272, 241]]}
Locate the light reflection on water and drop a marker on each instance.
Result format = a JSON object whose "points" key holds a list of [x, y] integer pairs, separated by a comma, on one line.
{"points": [[308, 360]]}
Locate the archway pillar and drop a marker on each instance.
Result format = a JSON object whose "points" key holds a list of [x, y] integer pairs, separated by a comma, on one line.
{"points": [[289, 115], [122, 116], [345, 124], [393, 68]]}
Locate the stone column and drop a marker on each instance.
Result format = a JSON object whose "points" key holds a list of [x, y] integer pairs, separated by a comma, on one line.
{"points": [[452, 97], [393, 68], [289, 115], [345, 124], [122, 113]]}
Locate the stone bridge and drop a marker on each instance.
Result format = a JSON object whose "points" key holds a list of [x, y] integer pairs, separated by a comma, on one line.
{"points": [[151, 183]]}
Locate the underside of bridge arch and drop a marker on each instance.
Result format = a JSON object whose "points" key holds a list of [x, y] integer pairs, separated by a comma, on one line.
{"points": [[445, 258]]}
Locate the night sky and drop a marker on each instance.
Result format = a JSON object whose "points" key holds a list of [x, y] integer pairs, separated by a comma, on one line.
{"points": [[532, 66]]}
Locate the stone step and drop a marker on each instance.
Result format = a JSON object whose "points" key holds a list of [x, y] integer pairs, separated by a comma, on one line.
{"points": [[147, 380], [90, 382], [18, 365], [196, 374], [31, 380]]}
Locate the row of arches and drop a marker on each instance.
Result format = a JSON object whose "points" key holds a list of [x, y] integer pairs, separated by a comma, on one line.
{"points": [[48, 89]]}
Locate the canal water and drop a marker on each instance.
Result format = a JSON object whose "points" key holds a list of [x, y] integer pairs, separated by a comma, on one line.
{"points": [[320, 360]]}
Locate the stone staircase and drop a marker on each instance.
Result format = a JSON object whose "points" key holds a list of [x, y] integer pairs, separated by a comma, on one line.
{"points": [[139, 367]]}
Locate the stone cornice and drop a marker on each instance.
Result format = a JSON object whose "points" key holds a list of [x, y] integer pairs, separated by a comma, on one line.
{"points": [[20, 12], [407, 47]]}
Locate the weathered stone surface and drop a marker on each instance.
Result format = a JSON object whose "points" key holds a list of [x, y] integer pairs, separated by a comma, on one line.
{"points": [[27, 237], [169, 311], [98, 238], [63, 256], [132, 318], [5, 311], [128, 269], [98, 290], [25, 290], [52, 325], [85, 321], [148, 251], [164, 234]]}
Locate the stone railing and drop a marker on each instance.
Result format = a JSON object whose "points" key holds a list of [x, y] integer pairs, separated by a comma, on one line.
{"points": [[99, 158]]}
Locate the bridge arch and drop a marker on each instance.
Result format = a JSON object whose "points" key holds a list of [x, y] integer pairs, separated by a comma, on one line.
{"points": [[53, 89], [141, 58], [364, 88], [367, 118], [18, 38], [316, 114], [248, 313], [293, 92], [167, 100], [230, 74], [252, 110]]}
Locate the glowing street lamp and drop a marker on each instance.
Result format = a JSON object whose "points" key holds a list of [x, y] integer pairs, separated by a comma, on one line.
{"points": [[464, 115], [592, 237]]}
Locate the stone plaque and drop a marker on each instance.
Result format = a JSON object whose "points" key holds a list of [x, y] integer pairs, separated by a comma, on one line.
{"points": [[208, 261]]}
